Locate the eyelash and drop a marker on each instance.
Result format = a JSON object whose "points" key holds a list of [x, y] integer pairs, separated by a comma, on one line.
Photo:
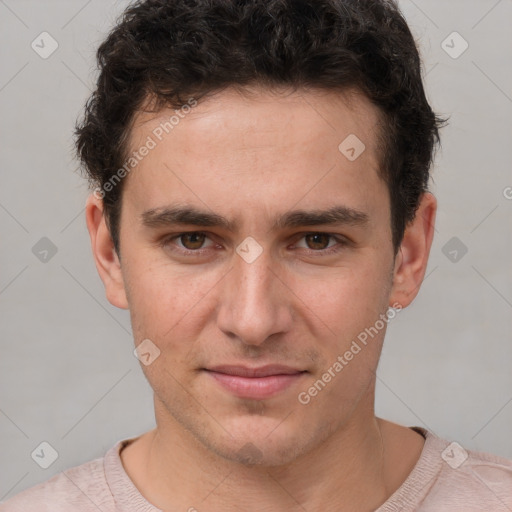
{"points": [[341, 244]]}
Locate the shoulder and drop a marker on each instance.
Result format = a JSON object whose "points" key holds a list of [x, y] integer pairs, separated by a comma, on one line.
{"points": [[474, 480], [81, 488], [466, 479], [449, 478]]}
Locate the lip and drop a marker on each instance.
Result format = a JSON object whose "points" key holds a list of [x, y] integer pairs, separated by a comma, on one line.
{"points": [[255, 383], [260, 371]]}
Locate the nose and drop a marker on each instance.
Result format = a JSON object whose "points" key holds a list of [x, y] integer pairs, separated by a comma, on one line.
{"points": [[254, 301]]}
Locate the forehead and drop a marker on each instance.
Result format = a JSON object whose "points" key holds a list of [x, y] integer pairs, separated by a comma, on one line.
{"points": [[255, 112], [276, 142]]}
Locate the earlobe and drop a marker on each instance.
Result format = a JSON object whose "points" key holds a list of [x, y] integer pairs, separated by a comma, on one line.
{"points": [[412, 257], [105, 256]]}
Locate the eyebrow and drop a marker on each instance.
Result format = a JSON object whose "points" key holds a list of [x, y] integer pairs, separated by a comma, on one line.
{"points": [[172, 215]]}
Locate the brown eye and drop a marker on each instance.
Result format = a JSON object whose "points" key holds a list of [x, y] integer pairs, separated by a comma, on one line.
{"points": [[317, 241], [192, 241]]}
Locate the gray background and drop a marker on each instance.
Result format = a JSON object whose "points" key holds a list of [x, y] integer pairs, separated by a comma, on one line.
{"points": [[67, 372]]}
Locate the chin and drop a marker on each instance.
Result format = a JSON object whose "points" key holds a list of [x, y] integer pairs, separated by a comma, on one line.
{"points": [[264, 444], [258, 453]]}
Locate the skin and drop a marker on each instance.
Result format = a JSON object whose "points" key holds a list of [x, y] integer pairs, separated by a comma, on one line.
{"points": [[252, 157]]}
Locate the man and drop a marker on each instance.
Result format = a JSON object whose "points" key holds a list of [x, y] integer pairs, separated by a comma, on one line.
{"points": [[261, 208]]}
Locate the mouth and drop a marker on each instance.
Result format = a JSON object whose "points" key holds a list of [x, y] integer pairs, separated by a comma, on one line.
{"points": [[255, 383]]}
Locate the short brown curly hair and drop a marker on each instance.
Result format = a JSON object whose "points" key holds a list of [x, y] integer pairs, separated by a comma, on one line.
{"points": [[171, 50]]}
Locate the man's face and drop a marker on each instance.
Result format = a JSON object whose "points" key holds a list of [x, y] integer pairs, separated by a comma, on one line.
{"points": [[224, 308]]}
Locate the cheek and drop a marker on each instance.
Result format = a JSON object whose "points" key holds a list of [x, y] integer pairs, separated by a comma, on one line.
{"points": [[345, 302], [167, 303]]}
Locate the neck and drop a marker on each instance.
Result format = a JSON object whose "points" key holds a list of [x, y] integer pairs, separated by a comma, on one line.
{"points": [[357, 468]]}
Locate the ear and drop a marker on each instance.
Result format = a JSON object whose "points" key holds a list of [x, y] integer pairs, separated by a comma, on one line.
{"points": [[105, 256], [412, 257]]}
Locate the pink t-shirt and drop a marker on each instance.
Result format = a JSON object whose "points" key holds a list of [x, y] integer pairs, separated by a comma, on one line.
{"points": [[446, 478]]}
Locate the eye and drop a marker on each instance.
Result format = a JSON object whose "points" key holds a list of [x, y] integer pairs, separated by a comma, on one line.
{"points": [[187, 243], [318, 241], [192, 241]]}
